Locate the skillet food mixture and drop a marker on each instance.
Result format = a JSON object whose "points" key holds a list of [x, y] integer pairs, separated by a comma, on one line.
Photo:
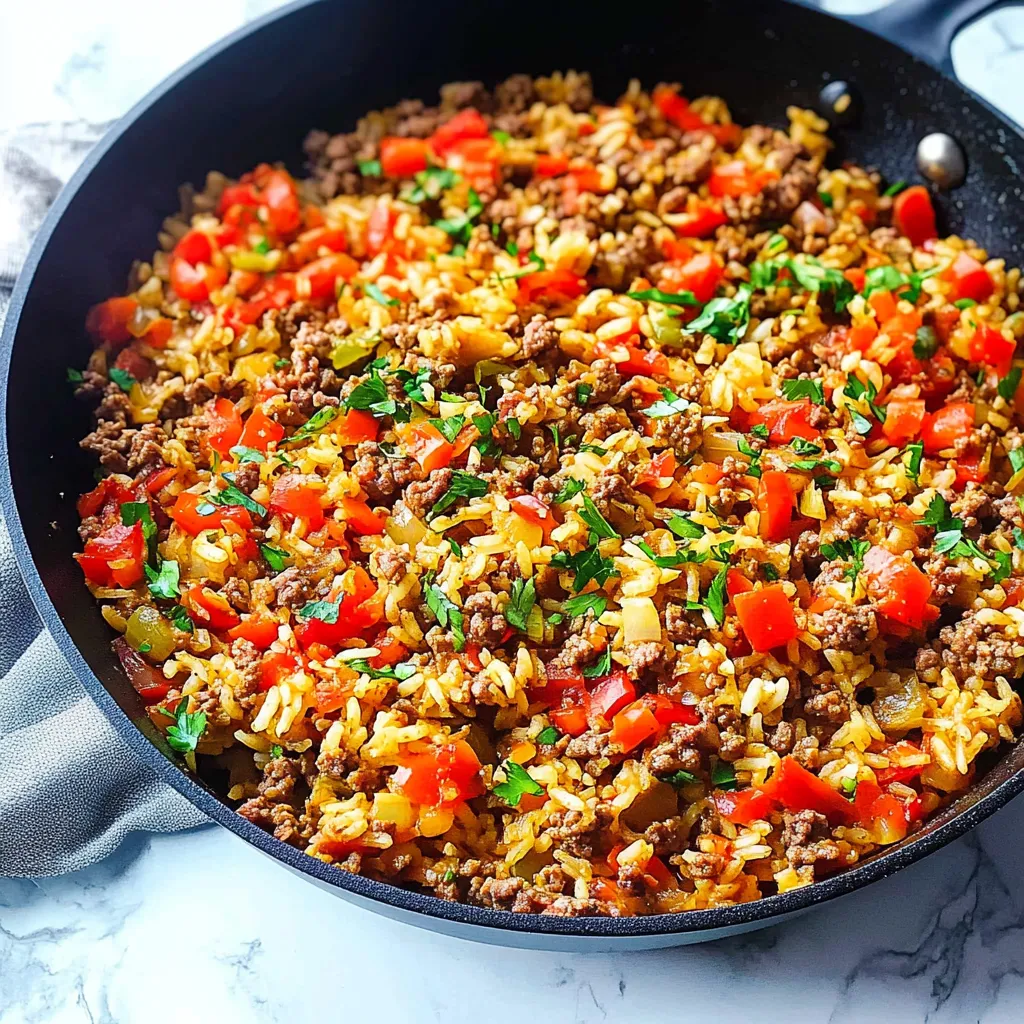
{"points": [[567, 508]]}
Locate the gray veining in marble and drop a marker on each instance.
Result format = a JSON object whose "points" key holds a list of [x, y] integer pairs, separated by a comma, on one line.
{"points": [[199, 927]]}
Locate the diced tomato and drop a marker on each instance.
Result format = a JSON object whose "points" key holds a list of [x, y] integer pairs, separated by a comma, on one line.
{"points": [[736, 583], [935, 377], [676, 109], [115, 557], [446, 774], [225, 425], [786, 420], [856, 276], [466, 124], [775, 503], [969, 278], [945, 321], [738, 179], [380, 228], [391, 652], [900, 590], [914, 214], [632, 725], [658, 470], [158, 332], [159, 479], [533, 510], [355, 426], [277, 666], [242, 194], [259, 632], [667, 711], [969, 470], [402, 158], [551, 285], [478, 161], [308, 245], [321, 276], [359, 517], [700, 274], [797, 789], [990, 347], [903, 419], [943, 428], [276, 293], [900, 773], [884, 305], [700, 219], [185, 513], [426, 444], [209, 608], [260, 431], [108, 321], [282, 201], [549, 165], [360, 606], [888, 819], [194, 283], [610, 694], [105, 499], [194, 247], [707, 473], [632, 361], [299, 496], [744, 806], [766, 617], [135, 363], [571, 721]]}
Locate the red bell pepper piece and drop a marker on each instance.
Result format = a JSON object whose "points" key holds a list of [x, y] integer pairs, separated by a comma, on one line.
{"points": [[766, 617], [446, 774], [185, 512], [737, 179], [277, 666], [988, 346], [899, 589], [943, 428], [107, 322], [426, 444], [608, 695], [466, 124], [914, 214], [632, 725], [797, 789], [260, 431], [551, 285], [743, 806], [402, 158], [549, 165], [360, 519], [630, 360], [700, 274], [115, 557], [299, 496], [786, 420], [969, 278], [224, 423], [355, 426], [660, 469], [534, 511], [321, 276], [209, 608], [260, 632], [776, 503], [903, 419]]}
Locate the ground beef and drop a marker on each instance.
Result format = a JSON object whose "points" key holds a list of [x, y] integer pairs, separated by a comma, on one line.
{"points": [[927, 660], [807, 754], [381, 477], [617, 267], [391, 564], [247, 659], [247, 477], [945, 574], [831, 706], [486, 624], [782, 197], [643, 656], [678, 751], [273, 808], [669, 836], [808, 839], [420, 497], [569, 906], [577, 650], [236, 591], [682, 432], [806, 556], [540, 336], [975, 649], [604, 421], [679, 626], [580, 836], [292, 588], [846, 627], [781, 738], [972, 506], [597, 748], [704, 865], [145, 448], [514, 95]]}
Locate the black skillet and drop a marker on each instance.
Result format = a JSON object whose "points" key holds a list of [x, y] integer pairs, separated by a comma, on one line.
{"points": [[322, 64]]}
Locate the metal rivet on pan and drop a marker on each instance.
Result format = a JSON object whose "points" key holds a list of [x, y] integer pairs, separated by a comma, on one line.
{"points": [[838, 102], [941, 160]]}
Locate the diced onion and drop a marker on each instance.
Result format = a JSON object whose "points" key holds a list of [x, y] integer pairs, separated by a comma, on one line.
{"points": [[900, 706], [535, 624], [405, 528], [640, 620], [720, 444]]}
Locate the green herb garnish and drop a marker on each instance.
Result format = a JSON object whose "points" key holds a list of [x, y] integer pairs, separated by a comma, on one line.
{"points": [[518, 784]]}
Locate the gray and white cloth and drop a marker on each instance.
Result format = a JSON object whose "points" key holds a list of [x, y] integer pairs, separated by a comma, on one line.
{"points": [[70, 789]]}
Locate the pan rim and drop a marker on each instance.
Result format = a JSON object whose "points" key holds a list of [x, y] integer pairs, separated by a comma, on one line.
{"points": [[423, 910]]}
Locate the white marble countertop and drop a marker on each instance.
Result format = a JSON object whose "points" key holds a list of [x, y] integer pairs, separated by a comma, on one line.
{"points": [[199, 927]]}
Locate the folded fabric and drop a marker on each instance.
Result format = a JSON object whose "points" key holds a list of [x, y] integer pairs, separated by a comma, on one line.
{"points": [[70, 788]]}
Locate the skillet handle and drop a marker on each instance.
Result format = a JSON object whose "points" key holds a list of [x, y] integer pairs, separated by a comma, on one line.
{"points": [[924, 27]]}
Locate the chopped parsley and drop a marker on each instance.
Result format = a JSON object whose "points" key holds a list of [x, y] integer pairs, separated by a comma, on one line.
{"points": [[455, 546], [914, 453], [583, 603], [804, 447], [949, 531], [583, 393], [181, 619], [372, 396], [187, 730], [588, 564], [965, 303], [485, 443], [163, 582], [679, 778], [500, 136], [1007, 387], [771, 574], [686, 298], [232, 495], [374, 292], [668, 405], [122, 378], [74, 376], [776, 243], [1003, 565], [244, 454], [852, 551], [518, 784], [549, 736], [280, 364], [450, 427], [926, 341], [848, 786], [370, 168], [600, 528], [460, 227], [601, 667], [723, 775], [760, 430], [447, 613], [324, 611], [318, 421], [521, 602], [857, 390], [894, 188], [430, 183], [145, 647], [725, 319], [815, 277], [716, 599], [886, 278], [826, 199], [515, 428], [1016, 457], [412, 383], [685, 528], [463, 485], [569, 490], [398, 672], [133, 512], [812, 389], [754, 469], [274, 557], [276, 751], [669, 561], [810, 465], [1018, 537]]}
